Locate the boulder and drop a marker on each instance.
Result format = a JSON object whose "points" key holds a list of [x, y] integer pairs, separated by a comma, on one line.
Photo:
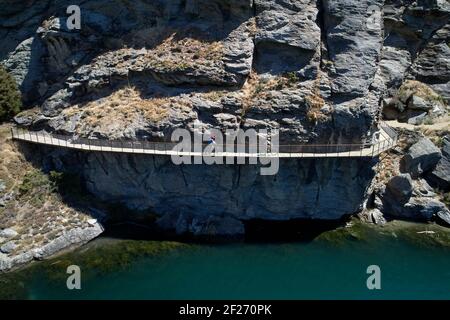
{"points": [[417, 209], [422, 157], [5, 262], [400, 188], [418, 103], [422, 209], [416, 117], [8, 247], [8, 233], [24, 119], [6, 198], [377, 217], [440, 176], [411, 200]]}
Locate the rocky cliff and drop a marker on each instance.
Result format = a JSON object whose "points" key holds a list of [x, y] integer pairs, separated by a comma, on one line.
{"points": [[307, 188], [317, 70]]}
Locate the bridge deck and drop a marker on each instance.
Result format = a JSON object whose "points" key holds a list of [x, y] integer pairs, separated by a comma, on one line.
{"points": [[387, 140]]}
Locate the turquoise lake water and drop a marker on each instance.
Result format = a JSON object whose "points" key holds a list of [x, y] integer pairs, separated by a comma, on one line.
{"points": [[413, 266]]}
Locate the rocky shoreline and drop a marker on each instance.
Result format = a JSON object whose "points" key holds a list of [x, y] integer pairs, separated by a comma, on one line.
{"points": [[69, 240], [412, 180], [37, 217]]}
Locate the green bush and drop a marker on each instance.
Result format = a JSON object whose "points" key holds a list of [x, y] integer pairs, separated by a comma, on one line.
{"points": [[35, 182], [10, 98], [291, 77]]}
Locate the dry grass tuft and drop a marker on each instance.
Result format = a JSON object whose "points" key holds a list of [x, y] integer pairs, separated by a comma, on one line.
{"points": [[252, 27], [215, 96], [315, 103], [178, 53], [388, 167], [250, 91], [123, 108], [419, 89], [257, 89]]}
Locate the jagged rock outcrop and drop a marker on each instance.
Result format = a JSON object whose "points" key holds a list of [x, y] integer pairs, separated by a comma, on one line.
{"points": [[415, 103], [189, 48], [412, 191], [439, 177], [413, 200], [421, 158], [416, 43]]}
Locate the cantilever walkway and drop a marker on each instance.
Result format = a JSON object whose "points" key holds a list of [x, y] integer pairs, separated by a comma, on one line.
{"points": [[387, 140]]}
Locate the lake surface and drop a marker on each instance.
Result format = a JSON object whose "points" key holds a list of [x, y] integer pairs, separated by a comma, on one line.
{"points": [[414, 265]]}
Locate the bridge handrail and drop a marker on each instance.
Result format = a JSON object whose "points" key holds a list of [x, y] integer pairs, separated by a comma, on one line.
{"points": [[389, 130], [237, 147]]}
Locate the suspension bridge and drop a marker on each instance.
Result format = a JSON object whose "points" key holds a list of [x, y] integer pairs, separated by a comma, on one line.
{"points": [[385, 139]]}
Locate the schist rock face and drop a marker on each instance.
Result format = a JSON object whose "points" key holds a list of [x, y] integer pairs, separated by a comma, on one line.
{"points": [[310, 68], [317, 71]]}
